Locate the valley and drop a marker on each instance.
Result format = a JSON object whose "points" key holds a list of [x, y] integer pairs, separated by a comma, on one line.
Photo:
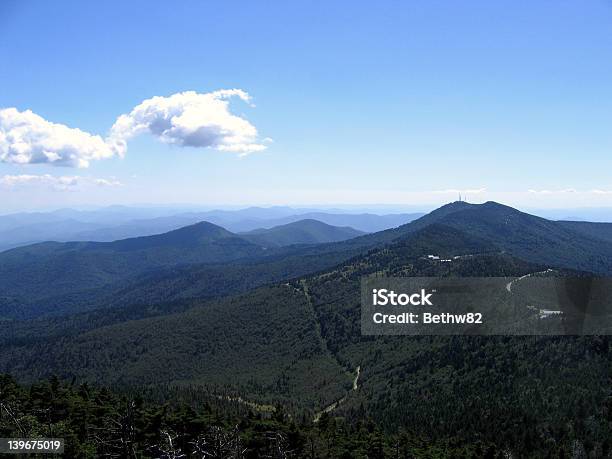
{"points": [[211, 316]]}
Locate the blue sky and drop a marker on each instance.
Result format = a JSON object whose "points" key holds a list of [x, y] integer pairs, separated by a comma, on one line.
{"points": [[365, 103]]}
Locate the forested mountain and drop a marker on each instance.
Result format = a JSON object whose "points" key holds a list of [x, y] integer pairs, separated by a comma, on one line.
{"points": [[300, 232], [54, 278], [596, 230], [198, 261], [533, 238], [46, 270], [298, 344], [365, 222], [263, 328], [520, 234], [97, 422], [194, 261], [523, 235], [282, 327], [133, 228]]}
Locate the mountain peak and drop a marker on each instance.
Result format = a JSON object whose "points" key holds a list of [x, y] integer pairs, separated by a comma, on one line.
{"points": [[458, 206], [192, 235], [454, 207], [305, 231], [439, 213]]}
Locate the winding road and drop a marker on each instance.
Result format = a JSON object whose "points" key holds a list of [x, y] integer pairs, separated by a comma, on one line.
{"points": [[509, 284], [332, 406]]}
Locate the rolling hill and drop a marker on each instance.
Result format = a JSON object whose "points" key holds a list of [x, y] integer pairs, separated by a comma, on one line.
{"points": [[119, 222], [194, 261], [365, 222], [202, 260], [256, 326], [51, 269], [300, 232], [294, 337], [596, 230], [298, 343]]}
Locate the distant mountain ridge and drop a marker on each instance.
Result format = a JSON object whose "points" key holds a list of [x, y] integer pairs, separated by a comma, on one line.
{"points": [[44, 275], [365, 222], [294, 339], [204, 260], [113, 223], [306, 231], [52, 268], [280, 333], [284, 327]]}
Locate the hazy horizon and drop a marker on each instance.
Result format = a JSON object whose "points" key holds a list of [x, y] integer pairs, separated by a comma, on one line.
{"points": [[587, 213]]}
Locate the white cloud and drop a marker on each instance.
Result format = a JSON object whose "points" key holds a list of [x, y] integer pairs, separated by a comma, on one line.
{"points": [[61, 183], [190, 119], [187, 119], [106, 182], [466, 191], [14, 181], [26, 138], [564, 191], [572, 191]]}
